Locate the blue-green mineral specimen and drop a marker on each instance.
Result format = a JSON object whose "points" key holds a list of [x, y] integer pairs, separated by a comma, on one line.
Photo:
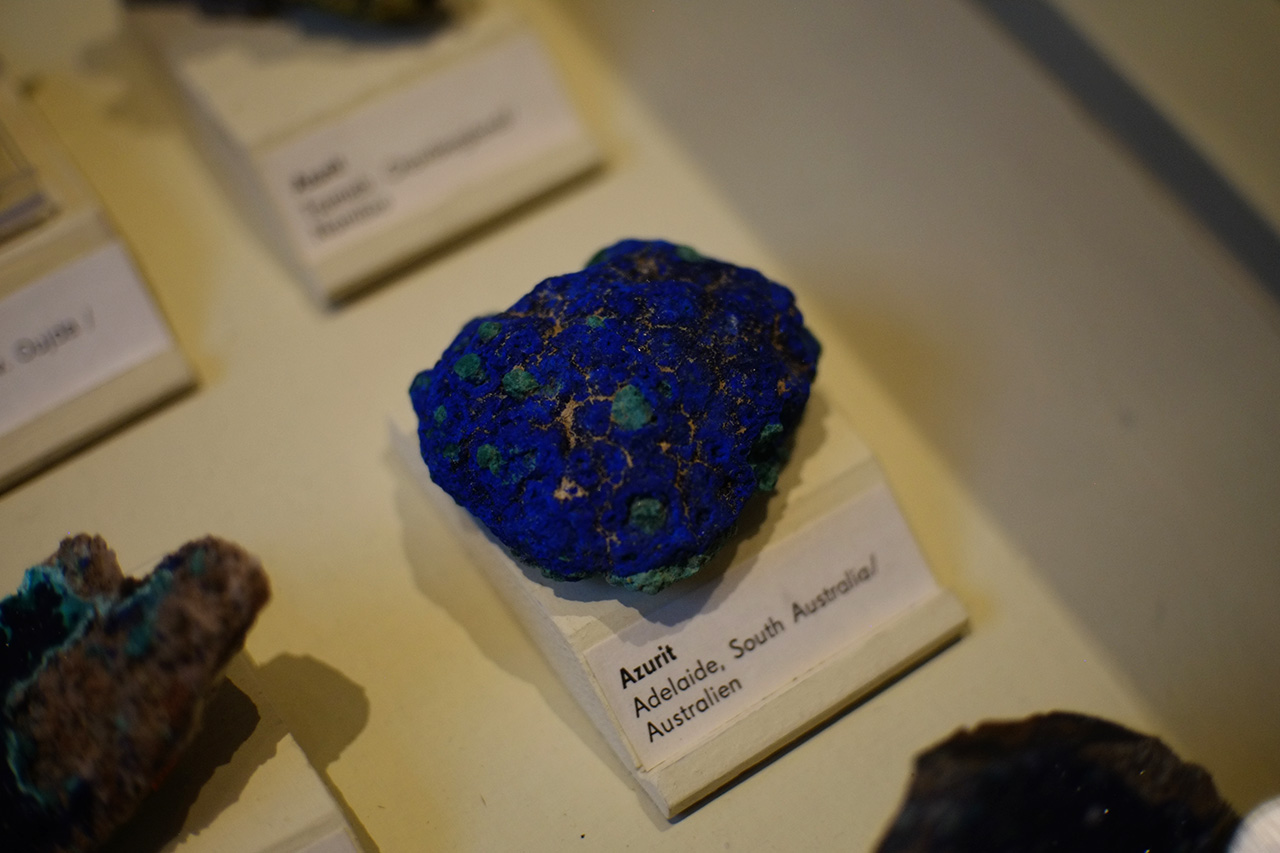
{"points": [[615, 421], [102, 682]]}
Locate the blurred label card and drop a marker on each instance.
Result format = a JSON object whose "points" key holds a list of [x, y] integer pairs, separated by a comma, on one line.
{"points": [[417, 149], [72, 330]]}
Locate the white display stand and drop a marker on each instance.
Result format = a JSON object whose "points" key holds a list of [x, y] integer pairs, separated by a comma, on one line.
{"points": [[357, 155], [83, 347], [822, 597], [265, 799]]}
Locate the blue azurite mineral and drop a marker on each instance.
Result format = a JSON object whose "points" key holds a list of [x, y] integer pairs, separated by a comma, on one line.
{"points": [[614, 421]]}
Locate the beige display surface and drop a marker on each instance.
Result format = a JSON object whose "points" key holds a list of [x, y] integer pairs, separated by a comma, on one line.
{"points": [[401, 673]]}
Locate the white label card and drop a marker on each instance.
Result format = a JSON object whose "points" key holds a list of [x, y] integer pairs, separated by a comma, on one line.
{"points": [[695, 665], [419, 147], [72, 330]]}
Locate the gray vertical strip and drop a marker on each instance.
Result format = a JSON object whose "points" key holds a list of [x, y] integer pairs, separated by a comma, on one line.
{"points": [[1155, 141]]}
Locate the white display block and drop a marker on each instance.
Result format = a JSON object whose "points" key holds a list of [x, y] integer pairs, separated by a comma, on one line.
{"points": [[264, 798], [357, 155], [83, 347], [820, 598]]}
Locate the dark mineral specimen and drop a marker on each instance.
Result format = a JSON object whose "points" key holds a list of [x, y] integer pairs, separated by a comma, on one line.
{"points": [[615, 421], [377, 11], [1058, 782], [103, 679]]}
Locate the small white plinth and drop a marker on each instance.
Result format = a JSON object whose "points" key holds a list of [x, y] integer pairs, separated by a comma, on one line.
{"points": [[357, 154], [821, 597], [264, 797], [83, 346]]}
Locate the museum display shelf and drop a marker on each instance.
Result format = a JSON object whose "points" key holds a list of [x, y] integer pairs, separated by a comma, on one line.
{"points": [[1054, 366]]}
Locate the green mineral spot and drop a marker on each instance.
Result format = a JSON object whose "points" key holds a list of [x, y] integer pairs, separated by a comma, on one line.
{"points": [[72, 610], [469, 368], [768, 468], [688, 253], [521, 466], [139, 640], [440, 414], [647, 515], [770, 431], [452, 452], [665, 389], [552, 388], [767, 474], [630, 409], [595, 321], [656, 580], [519, 383], [487, 456], [597, 257], [488, 331]]}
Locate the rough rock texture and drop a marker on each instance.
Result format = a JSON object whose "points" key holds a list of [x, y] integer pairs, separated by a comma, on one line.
{"points": [[1058, 782], [103, 679], [615, 421]]}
